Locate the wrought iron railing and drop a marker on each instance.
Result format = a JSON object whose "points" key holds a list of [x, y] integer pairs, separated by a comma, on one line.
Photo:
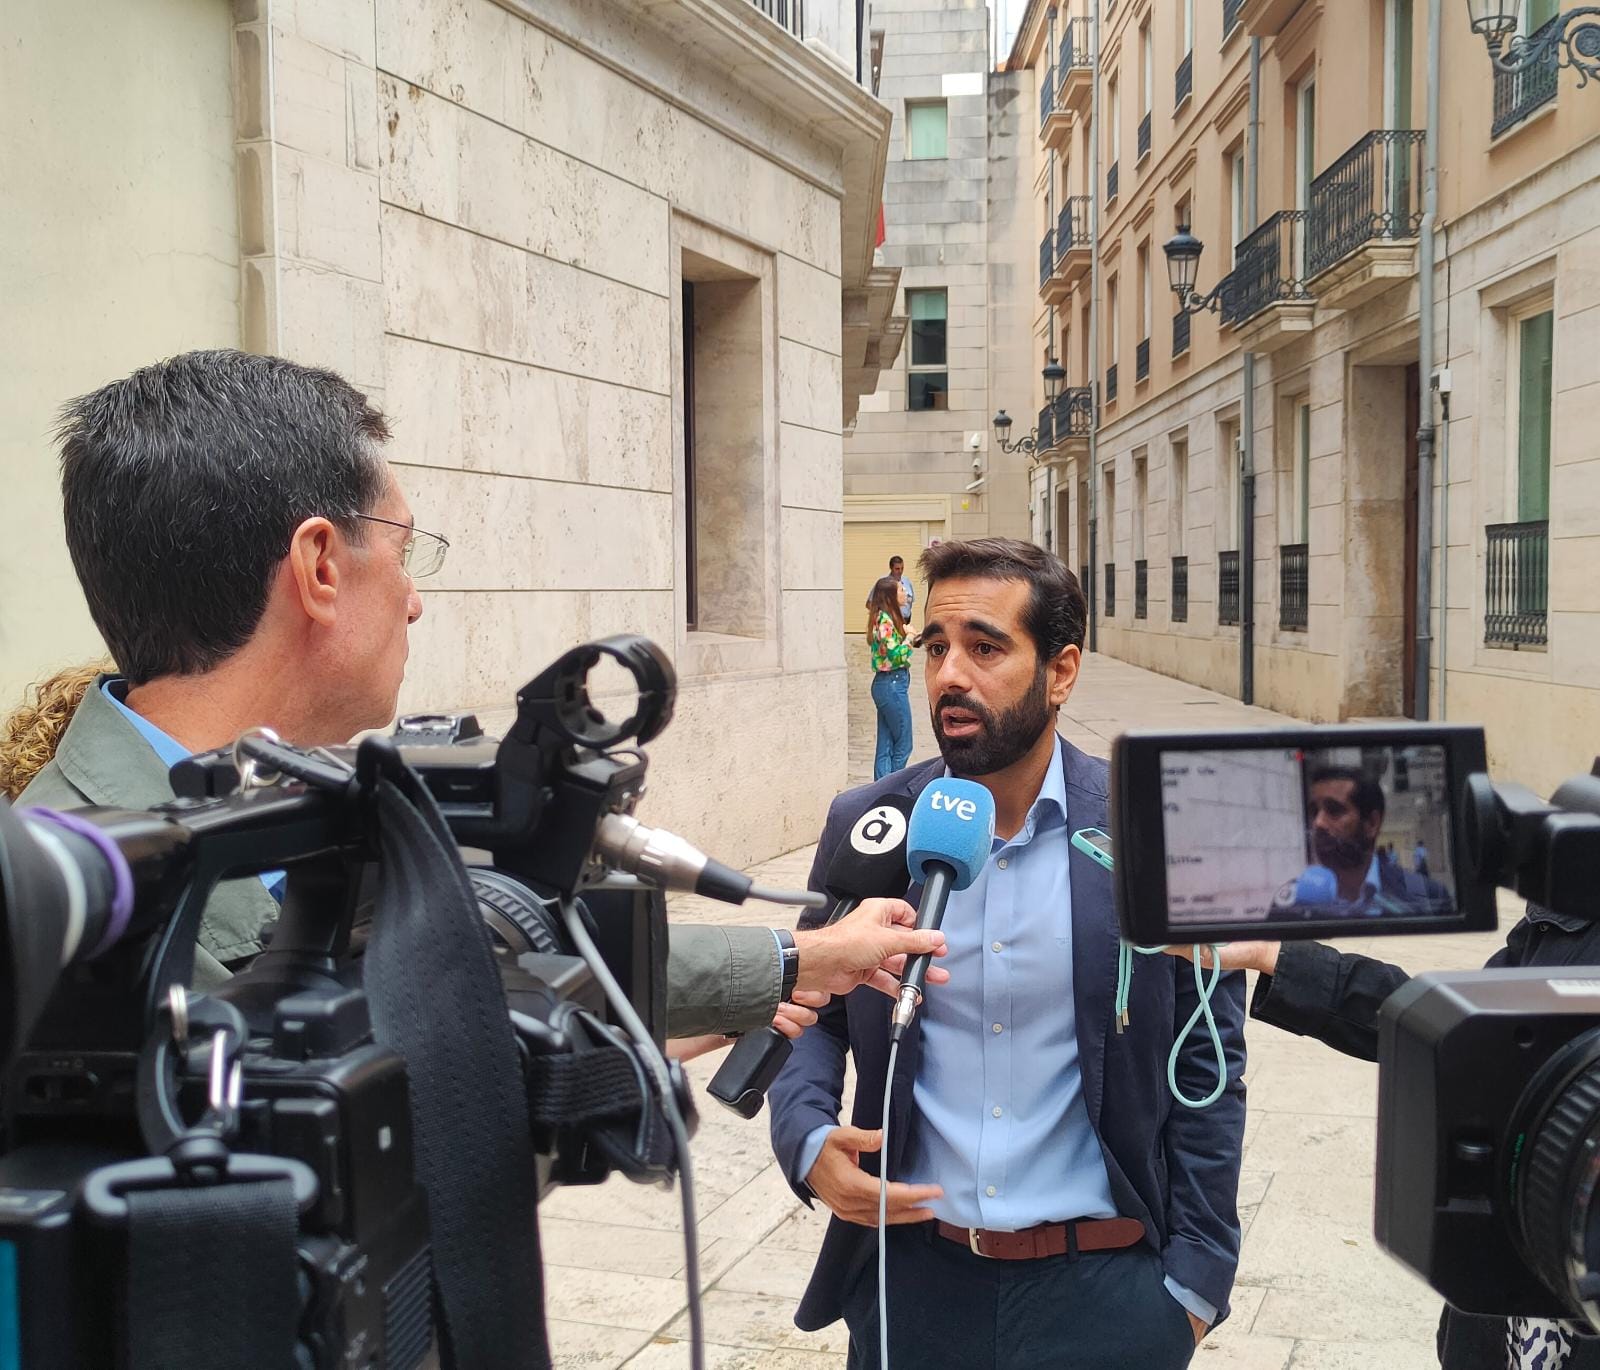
{"points": [[1144, 136], [1073, 413], [1047, 95], [1294, 585], [1227, 587], [1180, 332], [1111, 183], [1141, 359], [1072, 224], [1371, 193], [1111, 589], [1141, 589], [1047, 431], [1076, 52], [1111, 382], [1518, 93], [790, 13], [1180, 589], [1047, 257], [1184, 81], [1518, 584], [1268, 267], [1230, 15]]}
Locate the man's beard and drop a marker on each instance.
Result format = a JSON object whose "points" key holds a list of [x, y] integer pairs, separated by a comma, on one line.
{"points": [[1002, 739], [1340, 853]]}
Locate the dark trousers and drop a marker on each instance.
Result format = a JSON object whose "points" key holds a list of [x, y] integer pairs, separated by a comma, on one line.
{"points": [[1106, 1310]]}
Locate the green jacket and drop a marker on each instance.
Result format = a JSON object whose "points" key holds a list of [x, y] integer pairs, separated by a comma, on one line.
{"points": [[103, 760], [719, 979]]}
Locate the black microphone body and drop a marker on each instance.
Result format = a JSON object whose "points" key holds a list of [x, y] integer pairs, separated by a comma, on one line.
{"points": [[939, 882]]}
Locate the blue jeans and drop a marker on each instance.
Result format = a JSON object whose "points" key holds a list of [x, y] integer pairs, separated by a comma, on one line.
{"points": [[891, 692]]}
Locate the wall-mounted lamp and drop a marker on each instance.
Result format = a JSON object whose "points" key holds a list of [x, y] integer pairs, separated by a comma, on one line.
{"points": [[1183, 251], [1569, 40]]}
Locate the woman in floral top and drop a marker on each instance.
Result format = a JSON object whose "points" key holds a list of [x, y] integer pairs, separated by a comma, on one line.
{"points": [[891, 676]]}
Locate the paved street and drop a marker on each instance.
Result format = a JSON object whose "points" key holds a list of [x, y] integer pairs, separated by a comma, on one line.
{"points": [[1313, 1293]]}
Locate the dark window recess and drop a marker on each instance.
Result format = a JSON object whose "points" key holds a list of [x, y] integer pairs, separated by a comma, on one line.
{"points": [[1294, 585], [1111, 589], [1227, 587], [691, 587], [1180, 589], [1047, 429], [1144, 137], [1141, 359], [1230, 16], [1047, 96], [928, 390], [1180, 332], [1141, 589], [1111, 382], [1184, 81], [1047, 257], [1111, 183], [1518, 590]]}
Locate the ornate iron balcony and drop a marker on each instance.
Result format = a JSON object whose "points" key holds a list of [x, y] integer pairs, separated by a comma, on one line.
{"points": [[1518, 93], [1047, 257], [1180, 589], [1185, 80], [1180, 332], [1047, 95], [1141, 589], [1072, 224], [1141, 360], [1373, 192], [1073, 413], [790, 13], [1518, 584], [1227, 587], [1047, 430], [1268, 266], [1294, 585], [1144, 137], [1076, 50], [1111, 382]]}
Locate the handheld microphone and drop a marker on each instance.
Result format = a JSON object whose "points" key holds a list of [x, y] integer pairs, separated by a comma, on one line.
{"points": [[869, 864], [947, 845]]}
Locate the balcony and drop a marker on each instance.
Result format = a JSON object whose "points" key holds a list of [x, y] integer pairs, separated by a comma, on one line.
{"points": [[1267, 303], [1230, 17], [1141, 589], [1111, 589], [1228, 588], [1180, 332], [1518, 93], [1263, 18], [1518, 585], [1180, 589], [1144, 137], [1111, 183], [1184, 81], [1075, 67], [1047, 257], [1294, 586], [1111, 383], [1072, 255], [1071, 419], [1047, 430], [1361, 236], [789, 13], [1141, 360], [1047, 95]]}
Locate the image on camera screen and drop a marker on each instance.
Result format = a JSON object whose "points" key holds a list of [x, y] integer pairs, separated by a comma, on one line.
{"points": [[1281, 833]]}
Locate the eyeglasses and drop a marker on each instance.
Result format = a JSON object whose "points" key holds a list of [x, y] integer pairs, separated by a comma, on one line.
{"points": [[423, 553]]}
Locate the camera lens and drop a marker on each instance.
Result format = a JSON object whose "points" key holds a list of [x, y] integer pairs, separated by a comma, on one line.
{"points": [[1555, 1174], [519, 920]]}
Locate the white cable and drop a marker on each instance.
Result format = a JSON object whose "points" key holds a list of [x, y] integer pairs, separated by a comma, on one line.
{"points": [[883, 1218], [657, 1065]]}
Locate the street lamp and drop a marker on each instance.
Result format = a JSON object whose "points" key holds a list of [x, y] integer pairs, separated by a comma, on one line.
{"points": [[1183, 251], [1569, 40], [1054, 373]]}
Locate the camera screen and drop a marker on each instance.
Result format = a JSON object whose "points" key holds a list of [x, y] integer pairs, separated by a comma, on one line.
{"points": [[1276, 834]]}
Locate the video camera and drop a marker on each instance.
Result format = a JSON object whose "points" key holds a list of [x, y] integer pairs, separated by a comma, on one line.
{"points": [[1488, 1168], [337, 1072]]}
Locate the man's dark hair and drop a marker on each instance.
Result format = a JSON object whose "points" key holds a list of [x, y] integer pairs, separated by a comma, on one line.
{"points": [[1057, 610], [901, 560], [182, 487], [1368, 793]]}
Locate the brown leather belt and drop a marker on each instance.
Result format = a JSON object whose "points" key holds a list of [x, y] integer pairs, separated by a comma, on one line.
{"points": [[1047, 1239]]}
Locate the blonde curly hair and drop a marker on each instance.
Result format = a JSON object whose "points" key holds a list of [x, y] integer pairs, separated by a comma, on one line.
{"points": [[30, 736]]}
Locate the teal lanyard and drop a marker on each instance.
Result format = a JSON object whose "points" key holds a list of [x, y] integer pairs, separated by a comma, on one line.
{"points": [[1205, 988]]}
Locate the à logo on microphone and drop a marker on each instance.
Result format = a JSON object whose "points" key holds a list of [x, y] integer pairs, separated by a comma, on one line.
{"points": [[879, 830], [963, 809]]}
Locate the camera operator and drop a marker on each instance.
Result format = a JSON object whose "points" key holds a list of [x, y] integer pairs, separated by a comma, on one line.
{"points": [[250, 560], [1314, 990]]}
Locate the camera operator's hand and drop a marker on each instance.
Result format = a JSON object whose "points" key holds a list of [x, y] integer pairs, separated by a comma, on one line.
{"points": [[791, 1020], [868, 946], [1261, 956], [851, 1194]]}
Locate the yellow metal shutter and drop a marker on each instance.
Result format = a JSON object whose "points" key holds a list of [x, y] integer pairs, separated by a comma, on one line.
{"points": [[867, 549]]}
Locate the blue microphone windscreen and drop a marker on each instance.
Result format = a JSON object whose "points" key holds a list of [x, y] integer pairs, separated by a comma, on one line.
{"points": [[1317, 885], [953, 822]]}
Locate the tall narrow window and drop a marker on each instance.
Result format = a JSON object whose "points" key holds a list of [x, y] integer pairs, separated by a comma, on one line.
{"points": [[1083, 332], [1188, 26], [1236, 205], [1141, 499], [1299, 523], [1146, 304], [1535, 347], [1226, 514], [927, 129], [1397, 79], [1147, 69], [1178, 496], [927, 379], [1114, 110], [1305, 142], [691, 584]]}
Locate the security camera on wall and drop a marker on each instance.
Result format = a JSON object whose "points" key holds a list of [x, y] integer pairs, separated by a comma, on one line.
{"points": [[977, 464]]}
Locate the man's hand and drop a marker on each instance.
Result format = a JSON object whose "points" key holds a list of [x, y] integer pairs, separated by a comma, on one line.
{"points": [[799, 1013], [1262, 956], [1198, 1327], [850, 1193], [868, 946]]}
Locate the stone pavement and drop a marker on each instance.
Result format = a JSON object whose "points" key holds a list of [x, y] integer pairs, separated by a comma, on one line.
{"points": [[1313, 1292]]}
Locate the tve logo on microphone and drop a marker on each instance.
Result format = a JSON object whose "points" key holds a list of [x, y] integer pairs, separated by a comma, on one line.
{"points": [[879, 830], [965, 809], [952, 825]]}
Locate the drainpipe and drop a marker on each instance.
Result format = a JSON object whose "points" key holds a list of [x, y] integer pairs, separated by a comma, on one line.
{"points": [[1095, 286], [1247, 420], [1425, 431]]}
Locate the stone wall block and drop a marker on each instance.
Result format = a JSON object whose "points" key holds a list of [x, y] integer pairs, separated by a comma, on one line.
{"points": [[468, 51], [809, 305], [309, 95], [808, 386], [809, 467], [361, 143], [421, 161], [344, 27], [813, 550], [329, 319], [813, 628], [329, 215]]}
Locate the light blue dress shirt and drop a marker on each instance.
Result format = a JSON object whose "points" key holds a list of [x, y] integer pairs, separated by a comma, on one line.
{"points": [[1003, 1124], [169, 751]]}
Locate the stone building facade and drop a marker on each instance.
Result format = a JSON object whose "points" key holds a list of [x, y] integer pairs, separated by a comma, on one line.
{"points": [[609, 269], [1323, 288]]}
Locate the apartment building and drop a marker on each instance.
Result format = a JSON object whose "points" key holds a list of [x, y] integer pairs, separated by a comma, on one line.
{"points": [[1318, 281], [608, 268]]}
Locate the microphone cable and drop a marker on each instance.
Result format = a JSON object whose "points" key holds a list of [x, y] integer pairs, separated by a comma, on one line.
{"points": [[883, 1216], [1204, 988]]}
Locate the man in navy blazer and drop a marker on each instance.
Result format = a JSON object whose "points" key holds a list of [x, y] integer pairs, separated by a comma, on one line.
{"points": [[1050, 1203]]}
